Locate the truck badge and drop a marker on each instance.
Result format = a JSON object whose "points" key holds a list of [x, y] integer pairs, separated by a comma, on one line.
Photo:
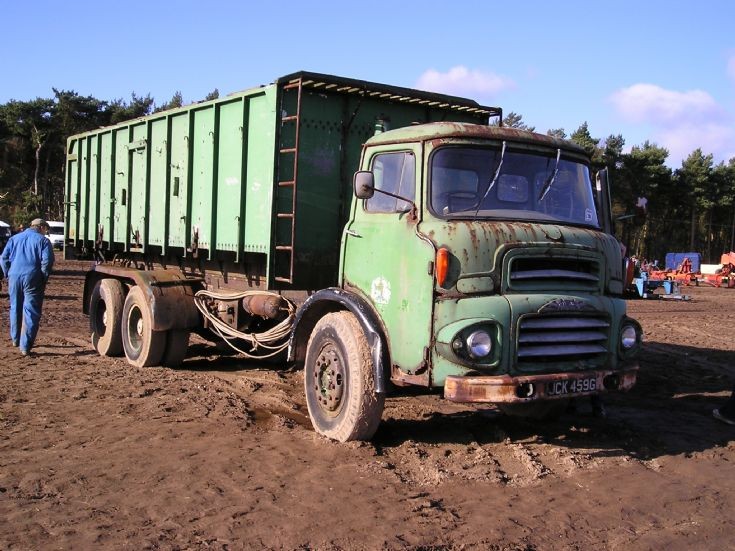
{"points": [[566, 305], [380, 290]]}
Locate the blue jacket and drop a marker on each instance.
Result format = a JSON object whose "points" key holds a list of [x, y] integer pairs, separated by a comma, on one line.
{"points": [[26, 253]]}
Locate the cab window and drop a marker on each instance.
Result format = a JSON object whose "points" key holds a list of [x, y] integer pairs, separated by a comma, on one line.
{"points": [[394, 173]]}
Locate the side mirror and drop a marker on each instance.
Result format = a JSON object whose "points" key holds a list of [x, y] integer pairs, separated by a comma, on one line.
{"points": [[364, 184], [602, 197]]}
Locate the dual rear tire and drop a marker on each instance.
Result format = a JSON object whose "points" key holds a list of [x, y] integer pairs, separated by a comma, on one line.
{"points": [[105, 313], [143, 346], [124, 324]]}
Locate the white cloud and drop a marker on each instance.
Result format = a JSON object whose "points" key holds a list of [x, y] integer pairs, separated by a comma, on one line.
{"points": [[711, 137], [679, 121], [461, 81], [652, 104]]}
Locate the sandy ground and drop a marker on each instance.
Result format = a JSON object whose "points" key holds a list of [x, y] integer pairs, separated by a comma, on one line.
{"points": [[220, 454]]}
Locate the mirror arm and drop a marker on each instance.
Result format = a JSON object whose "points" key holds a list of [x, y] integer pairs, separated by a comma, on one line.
{"points": [[414, 209]]}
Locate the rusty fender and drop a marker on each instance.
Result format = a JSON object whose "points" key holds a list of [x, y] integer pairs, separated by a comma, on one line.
{"points": [[169, 294], [522, 389], [334, 299]]}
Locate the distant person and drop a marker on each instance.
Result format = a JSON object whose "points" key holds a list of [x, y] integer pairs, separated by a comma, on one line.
{"points": [[27, 261], [726, 413]]}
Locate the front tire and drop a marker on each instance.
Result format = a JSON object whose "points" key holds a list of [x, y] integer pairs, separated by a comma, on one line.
{"points": [[339, 380], [143, 346], [105, 317]]}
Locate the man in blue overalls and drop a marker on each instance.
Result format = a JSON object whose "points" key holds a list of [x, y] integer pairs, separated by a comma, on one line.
{"points": [[27, 261]]}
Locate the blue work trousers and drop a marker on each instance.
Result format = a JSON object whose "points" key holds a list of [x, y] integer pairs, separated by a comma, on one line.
{"points": [[26, 299]]}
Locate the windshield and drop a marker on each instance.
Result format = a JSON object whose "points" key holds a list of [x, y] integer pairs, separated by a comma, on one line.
{"points": [[511, 185]]}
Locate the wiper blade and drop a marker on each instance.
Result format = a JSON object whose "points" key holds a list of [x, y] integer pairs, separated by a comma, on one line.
{"points": [[492, 182], [550, 180]]}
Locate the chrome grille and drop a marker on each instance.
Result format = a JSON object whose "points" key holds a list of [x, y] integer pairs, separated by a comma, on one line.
{"points": [[562, 338]]}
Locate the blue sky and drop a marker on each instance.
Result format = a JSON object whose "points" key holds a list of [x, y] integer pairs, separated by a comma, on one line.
{"points": [[662, 71]]}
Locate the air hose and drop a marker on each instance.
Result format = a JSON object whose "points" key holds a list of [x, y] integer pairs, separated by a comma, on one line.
{"points": [[270, 342]]}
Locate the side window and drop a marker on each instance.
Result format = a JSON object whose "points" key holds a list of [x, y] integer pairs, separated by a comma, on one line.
{"points": [[394, 173]]}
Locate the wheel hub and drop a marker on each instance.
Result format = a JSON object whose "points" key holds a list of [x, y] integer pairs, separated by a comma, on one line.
{"points": [[329, 379]]}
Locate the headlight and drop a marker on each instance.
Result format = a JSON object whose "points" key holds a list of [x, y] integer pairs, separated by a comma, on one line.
{"points": [[476, 345], [628, 337], [479, 344]]}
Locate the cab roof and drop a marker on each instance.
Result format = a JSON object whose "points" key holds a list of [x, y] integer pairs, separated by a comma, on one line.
{"points": [[447, 130]]}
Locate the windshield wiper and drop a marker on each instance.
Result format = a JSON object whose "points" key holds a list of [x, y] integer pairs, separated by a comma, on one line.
{"points": [[492, 182], [550, 180]]}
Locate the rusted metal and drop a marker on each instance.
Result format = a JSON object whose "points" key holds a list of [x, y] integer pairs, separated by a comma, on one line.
{"points": [[265, 306], [506, 389], [195, 243], [295, 119], [401, 378], [392, 93], [330, 376], [99, 244], [440, 133]]}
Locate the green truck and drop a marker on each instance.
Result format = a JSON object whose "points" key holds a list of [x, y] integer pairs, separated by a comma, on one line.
{"points": [[380, 237]]}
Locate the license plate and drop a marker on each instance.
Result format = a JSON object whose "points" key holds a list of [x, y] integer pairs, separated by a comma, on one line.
{"points": [[571, 386]]}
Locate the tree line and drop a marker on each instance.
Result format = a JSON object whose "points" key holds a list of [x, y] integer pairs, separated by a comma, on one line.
{"points": [[691, 208], [33, 138]]}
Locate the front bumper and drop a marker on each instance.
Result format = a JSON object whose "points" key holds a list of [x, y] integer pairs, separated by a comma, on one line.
{"points": [[530, 388]]}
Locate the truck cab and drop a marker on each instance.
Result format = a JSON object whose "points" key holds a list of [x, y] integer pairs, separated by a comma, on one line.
{"points": [[486, 254]]}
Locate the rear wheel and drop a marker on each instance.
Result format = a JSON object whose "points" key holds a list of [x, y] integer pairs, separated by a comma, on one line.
{"points": [[339, 380], [105, 317], [547, 410], [143, 346]]}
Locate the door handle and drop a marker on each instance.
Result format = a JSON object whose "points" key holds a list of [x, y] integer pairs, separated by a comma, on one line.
{"points": [[353, 233]]}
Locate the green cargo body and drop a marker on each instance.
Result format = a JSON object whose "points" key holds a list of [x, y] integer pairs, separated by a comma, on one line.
{"points": [[260, 180]]}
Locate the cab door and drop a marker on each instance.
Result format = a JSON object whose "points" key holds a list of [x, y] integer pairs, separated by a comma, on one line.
{"points": [[386, 260]]}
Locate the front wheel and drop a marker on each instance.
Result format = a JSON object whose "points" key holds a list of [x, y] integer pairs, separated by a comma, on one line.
{"points": [[143, 346], [339, 380]]}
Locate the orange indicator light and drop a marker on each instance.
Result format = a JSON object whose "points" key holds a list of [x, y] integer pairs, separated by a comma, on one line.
{"points": [[442, 265]]}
